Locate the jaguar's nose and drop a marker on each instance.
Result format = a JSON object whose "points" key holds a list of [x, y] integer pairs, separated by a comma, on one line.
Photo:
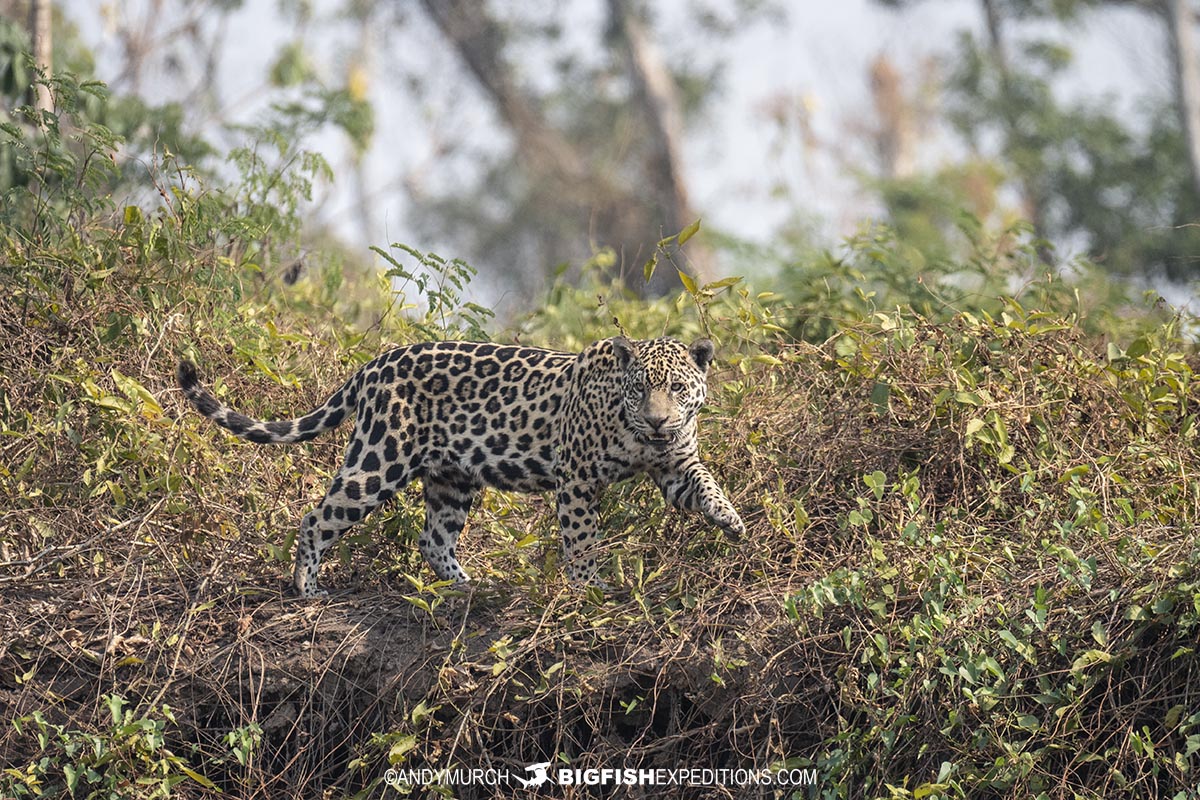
{"points": [[656, 421]]}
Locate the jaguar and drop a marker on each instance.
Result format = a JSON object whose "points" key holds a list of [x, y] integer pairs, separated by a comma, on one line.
{"points": [[464, 415]]}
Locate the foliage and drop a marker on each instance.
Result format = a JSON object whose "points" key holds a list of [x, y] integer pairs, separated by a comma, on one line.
{"points": [[742, 321], [965, 268], [85, 121], [1090, 172], [1003, 541], [442, 286], [581, 171], [973, 545], [942, 215], [49, 172], [972, 501], [100, 297], [129, 757]]}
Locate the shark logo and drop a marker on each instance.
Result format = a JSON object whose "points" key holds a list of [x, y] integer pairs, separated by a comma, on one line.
{"points": [[539, 775]]}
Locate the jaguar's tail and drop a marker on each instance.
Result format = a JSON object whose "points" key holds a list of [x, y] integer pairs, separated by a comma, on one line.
{"points": [[328, 416]]}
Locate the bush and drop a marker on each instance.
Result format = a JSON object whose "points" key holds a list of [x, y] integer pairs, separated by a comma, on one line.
{"points": [[970, 568]]}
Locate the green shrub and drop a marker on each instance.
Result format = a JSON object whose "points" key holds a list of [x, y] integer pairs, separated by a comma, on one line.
{"points": [[972, 503], [131, 752]]}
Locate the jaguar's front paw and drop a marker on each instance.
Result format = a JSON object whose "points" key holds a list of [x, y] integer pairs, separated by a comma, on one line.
{"points": [[583, 584], [728, 520], [583, 576]]}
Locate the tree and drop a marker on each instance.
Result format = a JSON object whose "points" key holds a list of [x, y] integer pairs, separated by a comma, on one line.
{"points": [[613, 168], [1181, 26], [896, 134], [40, 34], [1083, 173], [585, 166]]}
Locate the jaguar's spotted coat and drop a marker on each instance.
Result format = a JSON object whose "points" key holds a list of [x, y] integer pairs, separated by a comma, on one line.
{"points": [[464, 415]]}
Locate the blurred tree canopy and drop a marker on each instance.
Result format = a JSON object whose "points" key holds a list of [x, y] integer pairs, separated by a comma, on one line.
{"points": [[594, 167], [591, 103], [1122, 189]]}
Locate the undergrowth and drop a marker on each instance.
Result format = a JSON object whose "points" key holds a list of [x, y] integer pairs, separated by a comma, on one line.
{"points": [[970, 567]]}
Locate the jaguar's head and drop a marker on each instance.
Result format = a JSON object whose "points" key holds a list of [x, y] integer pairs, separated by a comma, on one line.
{"points": [[664, 384]]}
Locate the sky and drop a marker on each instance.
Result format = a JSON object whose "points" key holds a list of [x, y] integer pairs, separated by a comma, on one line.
{"points": [[818, 55]]}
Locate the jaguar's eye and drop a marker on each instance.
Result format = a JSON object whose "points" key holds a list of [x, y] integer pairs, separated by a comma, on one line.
{"points": [[677, 387]]}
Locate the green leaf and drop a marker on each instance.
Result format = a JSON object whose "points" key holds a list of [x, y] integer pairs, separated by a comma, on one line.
{"points": [[880, 393], [721, 284], [1029, 722], [115, 704], [138, 393], [401, 747], [422, 712], [197, 777], [420, 603], [688, 282], [688, 233], [1138, 347], [648, 268], [1090, 658], [876, 482], [1077, 471], [1136, 613]]}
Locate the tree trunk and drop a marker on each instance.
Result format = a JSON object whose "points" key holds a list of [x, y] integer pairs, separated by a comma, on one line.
{"points": [[357, 83], [655, 90], [617, 214], [1032, 196], [478, 39], [1181, 26], [40, 34], [896, 136]]}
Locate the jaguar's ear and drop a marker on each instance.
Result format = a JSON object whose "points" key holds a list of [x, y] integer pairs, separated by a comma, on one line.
{"points": [[702, 353], [624, 350]]}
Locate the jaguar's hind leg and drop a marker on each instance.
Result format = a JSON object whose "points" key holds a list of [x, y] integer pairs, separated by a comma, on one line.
{"points": [[448, 498], [580, 531], [351, 497]]}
